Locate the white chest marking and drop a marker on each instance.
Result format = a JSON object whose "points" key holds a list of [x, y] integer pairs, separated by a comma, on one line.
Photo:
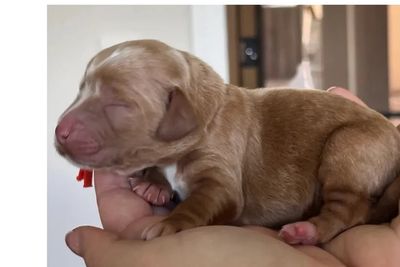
{"points": [[175, 181]]}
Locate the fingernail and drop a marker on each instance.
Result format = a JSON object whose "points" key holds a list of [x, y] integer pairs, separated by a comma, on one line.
{"points": [[72, 241], [331, 88]]}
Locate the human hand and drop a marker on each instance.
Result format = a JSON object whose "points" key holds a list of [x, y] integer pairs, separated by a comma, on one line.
{"points": [[118, 206], [347, 94], [125, 215], [367, 245], [202, 246], [121, 210]]}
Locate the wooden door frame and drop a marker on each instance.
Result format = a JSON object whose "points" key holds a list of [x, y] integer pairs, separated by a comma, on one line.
{"points": [[242, 23]]}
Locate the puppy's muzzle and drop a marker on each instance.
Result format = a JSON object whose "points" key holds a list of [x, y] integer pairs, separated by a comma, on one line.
{"points": [[74, 139]]}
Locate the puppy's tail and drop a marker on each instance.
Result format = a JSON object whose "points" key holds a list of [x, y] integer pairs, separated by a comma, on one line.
{"points": [[388, 206]]}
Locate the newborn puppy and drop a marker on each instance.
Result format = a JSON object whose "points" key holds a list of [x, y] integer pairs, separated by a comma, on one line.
{"points": [[263, 157]]}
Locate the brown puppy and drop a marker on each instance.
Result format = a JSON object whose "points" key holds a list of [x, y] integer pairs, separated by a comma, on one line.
{"points": [[265, 157]]}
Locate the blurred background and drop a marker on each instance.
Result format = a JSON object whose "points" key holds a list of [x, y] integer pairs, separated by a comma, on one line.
{"points": [[357, 47]]}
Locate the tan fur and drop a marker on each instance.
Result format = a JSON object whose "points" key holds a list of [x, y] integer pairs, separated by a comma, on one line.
{"points": [[265, 156]]}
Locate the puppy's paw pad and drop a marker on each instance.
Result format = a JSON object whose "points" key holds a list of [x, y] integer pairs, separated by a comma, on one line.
{"points": [[152, 193], [163, 197], [304, 233], [138, 185]]}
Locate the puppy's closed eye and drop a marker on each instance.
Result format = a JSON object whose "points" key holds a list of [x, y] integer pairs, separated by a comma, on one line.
{"points": [[118, 115]]}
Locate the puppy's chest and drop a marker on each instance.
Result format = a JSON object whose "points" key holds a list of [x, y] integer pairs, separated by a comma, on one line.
{"points": [[175, 179]]}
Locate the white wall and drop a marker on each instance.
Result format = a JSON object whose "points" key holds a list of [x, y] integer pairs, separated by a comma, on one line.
{"points": [[209, 37], [75, 34]]}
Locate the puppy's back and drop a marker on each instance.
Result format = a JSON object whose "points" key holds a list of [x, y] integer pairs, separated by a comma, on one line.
{"points": [[294, 128]]}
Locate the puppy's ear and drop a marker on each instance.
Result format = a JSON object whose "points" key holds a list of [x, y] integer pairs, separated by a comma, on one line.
{"points": [[179, 118]]}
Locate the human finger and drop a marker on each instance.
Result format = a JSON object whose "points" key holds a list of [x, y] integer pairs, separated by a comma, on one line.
{"points": [[100, 248], [346, 94], [118, 205]]}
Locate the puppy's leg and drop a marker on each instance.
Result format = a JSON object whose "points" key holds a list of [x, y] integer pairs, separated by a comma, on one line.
{"points": [[356, 163], [209, 202], [342, 209]]}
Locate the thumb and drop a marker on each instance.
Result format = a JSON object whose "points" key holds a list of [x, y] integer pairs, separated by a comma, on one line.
{"points": [[87, 241]]}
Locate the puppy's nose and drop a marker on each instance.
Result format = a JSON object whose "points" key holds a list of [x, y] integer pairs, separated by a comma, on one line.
{"points": [[75, 138], [63, 130], [62, 134]]}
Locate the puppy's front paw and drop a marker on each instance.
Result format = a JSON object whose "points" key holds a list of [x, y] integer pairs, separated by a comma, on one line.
{"points": [[158, 195], [165, 227]]}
